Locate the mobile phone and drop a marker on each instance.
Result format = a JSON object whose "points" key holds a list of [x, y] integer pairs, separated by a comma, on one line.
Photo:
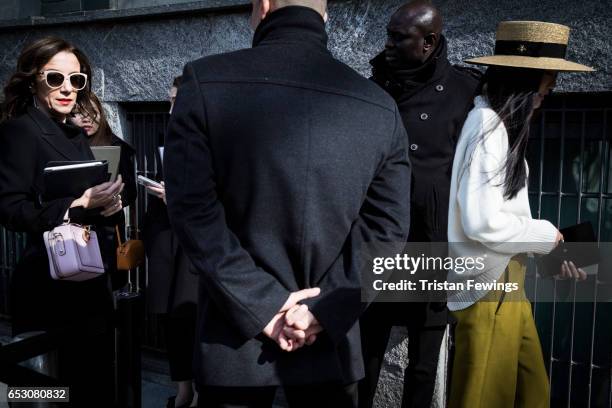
{"points": [[147, 182]]}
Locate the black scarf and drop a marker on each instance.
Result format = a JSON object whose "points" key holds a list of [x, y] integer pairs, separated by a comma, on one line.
{"points": [[402, 81]]}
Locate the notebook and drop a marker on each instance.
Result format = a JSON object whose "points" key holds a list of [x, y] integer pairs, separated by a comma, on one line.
{"points": [[71, 179]]}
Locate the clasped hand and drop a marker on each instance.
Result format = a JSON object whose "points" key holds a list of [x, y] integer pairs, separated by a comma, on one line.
{"points": [[294, 325]]}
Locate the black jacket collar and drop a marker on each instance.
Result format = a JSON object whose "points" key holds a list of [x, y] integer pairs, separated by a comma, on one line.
{"points": [[292, 24], [431, 71], [58, 135]]}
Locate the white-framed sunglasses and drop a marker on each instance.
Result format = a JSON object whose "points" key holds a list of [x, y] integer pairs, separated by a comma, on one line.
{"points": [[55, 79]]}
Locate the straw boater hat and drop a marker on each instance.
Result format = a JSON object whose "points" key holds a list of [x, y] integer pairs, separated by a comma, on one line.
{"points": [[531, 44]]}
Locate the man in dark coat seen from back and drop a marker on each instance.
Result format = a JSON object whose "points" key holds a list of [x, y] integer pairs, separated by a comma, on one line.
{"points": [[434, 98], [281, 163]]}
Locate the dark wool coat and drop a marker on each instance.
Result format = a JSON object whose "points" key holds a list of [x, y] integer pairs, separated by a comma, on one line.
{"points": [[433, 113], [280, 163], [28, 142]]}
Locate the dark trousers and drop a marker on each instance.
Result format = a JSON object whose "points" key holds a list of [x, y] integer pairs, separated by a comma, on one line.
{"points": [[308, 396], [180, 325], [423, 352]]}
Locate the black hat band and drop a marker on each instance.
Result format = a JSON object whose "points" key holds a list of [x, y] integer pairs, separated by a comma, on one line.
{"points": [[530, 49]]}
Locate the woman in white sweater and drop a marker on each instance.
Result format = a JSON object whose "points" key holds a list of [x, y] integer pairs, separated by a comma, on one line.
{"points": [[498, 359]]}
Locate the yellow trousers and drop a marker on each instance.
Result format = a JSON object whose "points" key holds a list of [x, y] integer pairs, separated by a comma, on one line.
{"points": [[498, 360]]}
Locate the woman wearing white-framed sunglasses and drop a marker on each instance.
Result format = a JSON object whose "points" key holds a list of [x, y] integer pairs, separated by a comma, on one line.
{"points": [[52, 77]]}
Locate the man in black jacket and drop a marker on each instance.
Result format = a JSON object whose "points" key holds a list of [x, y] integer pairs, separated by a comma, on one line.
{"points": [[434, 98], [280, 164]]}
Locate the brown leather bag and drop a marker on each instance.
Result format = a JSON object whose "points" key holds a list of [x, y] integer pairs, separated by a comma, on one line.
{"points": [[130, 254]]}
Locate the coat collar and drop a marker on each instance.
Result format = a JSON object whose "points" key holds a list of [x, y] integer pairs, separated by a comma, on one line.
{"points": [[292, 24], [392, 81], [58, 137]]}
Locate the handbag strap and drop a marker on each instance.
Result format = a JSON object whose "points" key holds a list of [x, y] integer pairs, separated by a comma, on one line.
{"points": [[118, 235]]}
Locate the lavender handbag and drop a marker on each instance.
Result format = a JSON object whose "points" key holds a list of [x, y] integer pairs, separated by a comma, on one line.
{"points": [[73, 252]]}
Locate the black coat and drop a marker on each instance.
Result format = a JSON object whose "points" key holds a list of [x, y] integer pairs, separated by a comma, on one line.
{"points": [[433, 113], [433, 110], [29, 142], [171, 280], [280, 163], [108, 245]]}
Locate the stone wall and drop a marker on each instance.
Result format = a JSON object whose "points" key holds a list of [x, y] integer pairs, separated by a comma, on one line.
{"points": [[135, 61]]}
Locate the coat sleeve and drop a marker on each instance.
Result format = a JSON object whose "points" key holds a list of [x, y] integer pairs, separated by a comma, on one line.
{"points": [[480, 196], [383, 223], [248, 295], [127, 171], [20, 206]]}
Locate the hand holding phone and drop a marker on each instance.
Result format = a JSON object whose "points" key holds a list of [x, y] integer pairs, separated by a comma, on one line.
{"points": [[147, 182]]}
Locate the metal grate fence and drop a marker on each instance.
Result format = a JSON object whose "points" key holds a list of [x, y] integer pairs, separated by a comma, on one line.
{"points": [[146, 128], [571, 182]]}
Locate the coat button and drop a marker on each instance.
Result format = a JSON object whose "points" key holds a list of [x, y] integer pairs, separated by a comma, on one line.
{"points": [[413, 147], [424, 116], [439, 88]]}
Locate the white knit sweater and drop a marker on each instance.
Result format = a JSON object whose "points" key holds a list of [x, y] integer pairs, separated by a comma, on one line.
{"points": [[481, 222]]}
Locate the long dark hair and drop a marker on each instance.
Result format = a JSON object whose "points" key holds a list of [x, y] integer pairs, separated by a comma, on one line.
{"points": [[510, 93], [104, 134], [18, 91]]}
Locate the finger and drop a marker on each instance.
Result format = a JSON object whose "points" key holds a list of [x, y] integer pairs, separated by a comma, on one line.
{"points": [[298, 343], [116, 187], [568, 270], [307, 294], [95, 190], [289, 314], [106, 211], [283, 343], [118, 181], [104, 202], [297, 297], [294, 334], [291, 344], [156, 190], [111, 211], [314, 329], [296, 338], [311, 339], [579, 274], [270, 328], [109, 191], [297, 315], [564, 271], [573, 271]]}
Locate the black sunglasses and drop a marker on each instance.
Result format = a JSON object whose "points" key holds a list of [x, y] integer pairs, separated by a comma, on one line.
{"points": [[55, 79]]}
